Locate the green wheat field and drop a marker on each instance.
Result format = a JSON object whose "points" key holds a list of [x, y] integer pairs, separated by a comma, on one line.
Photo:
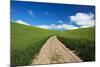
{"points": [[26, 42]]}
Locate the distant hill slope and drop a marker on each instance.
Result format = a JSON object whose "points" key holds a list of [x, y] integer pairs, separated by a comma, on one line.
{"points": [[86, 33], [26, 42], [25, 33], [80, 40]]}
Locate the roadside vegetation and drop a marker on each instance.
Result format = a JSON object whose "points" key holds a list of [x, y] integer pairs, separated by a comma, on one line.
{"points": [[26, 42], [81, 41]]}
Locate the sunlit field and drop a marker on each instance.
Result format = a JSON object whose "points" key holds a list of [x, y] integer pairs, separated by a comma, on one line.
{"points": [[26, 42]]}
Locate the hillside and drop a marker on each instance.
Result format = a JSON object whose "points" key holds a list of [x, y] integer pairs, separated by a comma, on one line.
{"points": [[87, 33], [26, 42], [82, 41]]}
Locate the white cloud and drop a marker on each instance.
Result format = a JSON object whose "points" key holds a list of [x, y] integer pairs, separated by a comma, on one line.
{"points": [[22, 22], [69, 27], [60, 21], [43, 26], [62, 26], [83, 19], [31, 13], [85, 26], [52, 26]]}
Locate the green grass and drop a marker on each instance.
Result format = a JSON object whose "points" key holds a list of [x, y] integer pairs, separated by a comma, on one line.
{"points": [[82, 41], [26, 42]]}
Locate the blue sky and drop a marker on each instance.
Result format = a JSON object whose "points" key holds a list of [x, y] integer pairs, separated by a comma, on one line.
{"points": [[53, 16]]}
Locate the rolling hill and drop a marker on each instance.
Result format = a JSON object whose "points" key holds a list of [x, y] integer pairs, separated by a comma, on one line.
{"points": [[26, 42], [82, 41]]}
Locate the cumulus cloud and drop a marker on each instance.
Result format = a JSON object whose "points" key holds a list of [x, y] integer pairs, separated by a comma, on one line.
{"points": [[69, 27], [85, 26], [62, 26], [31, 13], [83, 19], [22, 22]]}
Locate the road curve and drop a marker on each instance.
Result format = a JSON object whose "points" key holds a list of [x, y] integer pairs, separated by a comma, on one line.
{"points": [[53, 51]]}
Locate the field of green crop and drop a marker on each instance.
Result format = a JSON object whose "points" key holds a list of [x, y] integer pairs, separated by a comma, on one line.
{"points": [[26, 42], [82, 41]]}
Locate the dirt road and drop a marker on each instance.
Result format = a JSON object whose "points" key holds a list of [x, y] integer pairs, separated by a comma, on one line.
{"points": [[53, 51]]}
